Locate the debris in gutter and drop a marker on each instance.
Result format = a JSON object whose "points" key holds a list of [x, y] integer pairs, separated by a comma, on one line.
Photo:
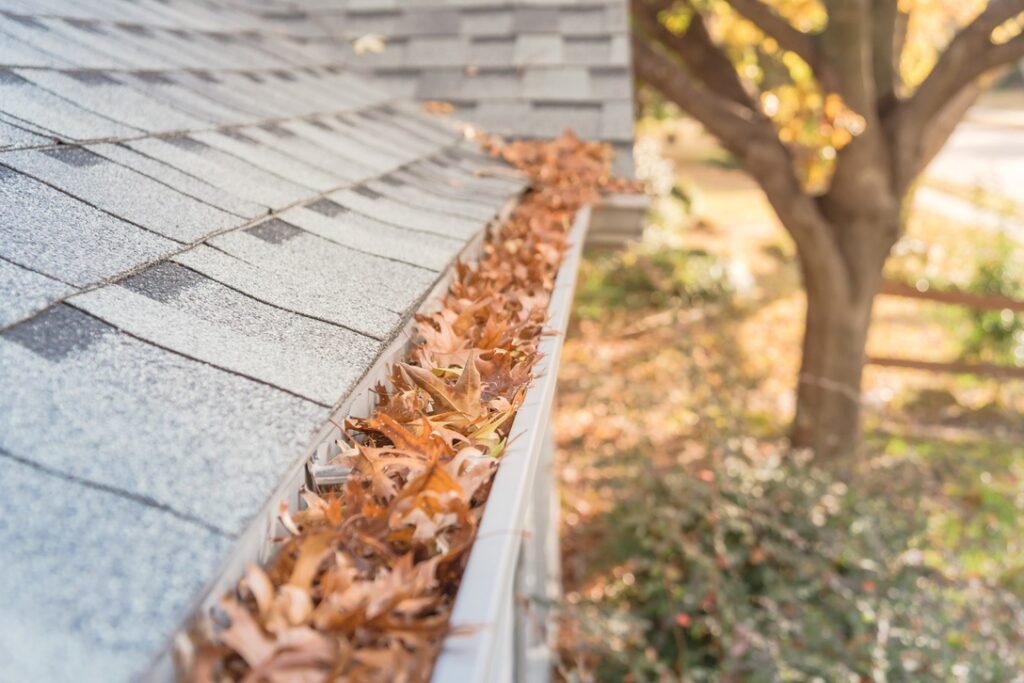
{"points": [[362, 588]]}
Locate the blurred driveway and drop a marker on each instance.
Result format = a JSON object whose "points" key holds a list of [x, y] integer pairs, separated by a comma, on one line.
{"points": [[985, 154]]}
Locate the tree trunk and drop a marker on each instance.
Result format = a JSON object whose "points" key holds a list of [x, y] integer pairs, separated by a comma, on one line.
{"points": [[838, 317], [828, 391]]}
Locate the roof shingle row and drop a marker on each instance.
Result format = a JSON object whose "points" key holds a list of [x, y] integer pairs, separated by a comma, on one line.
{"points": [[195, 267]]}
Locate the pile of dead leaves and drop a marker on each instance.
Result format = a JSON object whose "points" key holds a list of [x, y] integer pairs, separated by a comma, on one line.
{"points": [[363, 587]]}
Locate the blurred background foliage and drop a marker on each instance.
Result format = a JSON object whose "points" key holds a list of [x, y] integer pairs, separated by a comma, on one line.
{"points": [[816, 124], [696, 546]]}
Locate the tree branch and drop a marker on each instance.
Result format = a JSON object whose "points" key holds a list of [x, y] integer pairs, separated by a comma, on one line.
{"points": [[886, 26], [916, 126], [776, 26], [779, 28], [942, 125], [847, 45], [732, 123], [752, 138], [970, 54], [696, 48]]}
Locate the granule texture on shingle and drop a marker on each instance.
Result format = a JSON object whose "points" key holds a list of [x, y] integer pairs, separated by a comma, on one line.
{"points": [[48, 231], [146, 420], [23, 292], [181, 310], [104, 184], [70, 607]]}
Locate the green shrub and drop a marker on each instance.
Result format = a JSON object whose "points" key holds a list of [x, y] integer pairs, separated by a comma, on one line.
{"points": [[763, 567], [997, 336], [650, 278]]}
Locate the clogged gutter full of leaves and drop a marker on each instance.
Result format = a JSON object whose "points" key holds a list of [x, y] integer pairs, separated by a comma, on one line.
{"points": [[362, 588]]}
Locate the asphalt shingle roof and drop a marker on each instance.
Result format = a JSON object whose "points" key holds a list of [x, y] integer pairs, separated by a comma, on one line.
{"points": [[525, 68], [211, 226], [185, 297]]}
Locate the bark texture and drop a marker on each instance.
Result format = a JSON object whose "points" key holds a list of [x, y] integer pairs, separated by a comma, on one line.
{"points": [[844, 235]]}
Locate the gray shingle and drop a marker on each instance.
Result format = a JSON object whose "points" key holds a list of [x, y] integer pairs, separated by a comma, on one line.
{"points": [[23, 293], [14, 136], [147, 421], [458, 84], [80, 566], [497, 51], [324, 132], [437, 51], [149, 47], [49, 232], [412, 118], [267, 92], [622, 164], [523, 34], [102, 93], [283, 140], [442, 84], [494, 20], [380, 127], [399, 82], [14, 51], [617, 121], [429, 179], [162, 87], [582, 20], [48, 36], [399, 190], [610, 82], [222, 170], [236, 143], [426, 22], [401, 149], [223, 90], [208, 54], [122, 192], [556, 83], [322, 92], [97, 9], [377, 21], [116, 47], [548, 119], [183, 182], [533, 18], [504, 117], [616, 17], [538, 48], [171, 423], [588, 50], [405, 215], [474, 177], [179, 309], [27, 101], [619, 53], [293, 289], [349, 277], [393, 55], [363, 233]]}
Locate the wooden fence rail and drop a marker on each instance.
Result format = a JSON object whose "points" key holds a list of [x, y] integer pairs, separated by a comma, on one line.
{"points": [[956, 367], [980, 302]]}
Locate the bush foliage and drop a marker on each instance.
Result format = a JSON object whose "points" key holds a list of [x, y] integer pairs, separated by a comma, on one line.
{"points": [[642, 278], [763, 567]]}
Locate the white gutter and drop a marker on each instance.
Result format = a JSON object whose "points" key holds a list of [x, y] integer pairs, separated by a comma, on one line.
{"points": [[497, 638], [498, 648], [259, 541]]}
